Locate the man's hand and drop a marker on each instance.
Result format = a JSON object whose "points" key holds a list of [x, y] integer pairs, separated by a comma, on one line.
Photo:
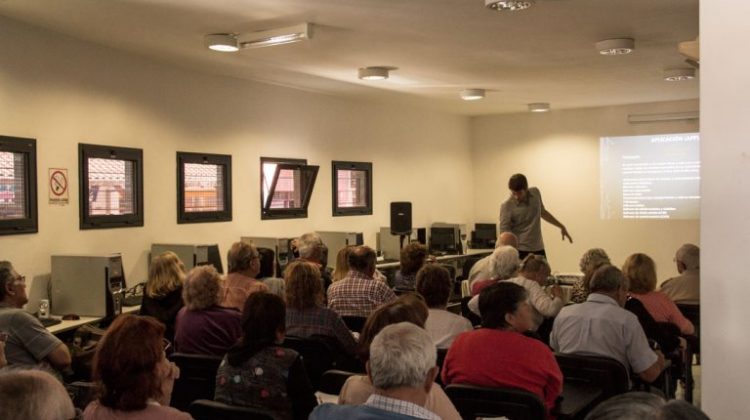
{"points": [[565, 233]]}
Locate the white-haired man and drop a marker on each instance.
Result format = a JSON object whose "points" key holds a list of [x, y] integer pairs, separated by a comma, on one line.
{"points": [[33, 394], [312, 249], [402, 369], [481, 269], [503, 264], [686, 286]]}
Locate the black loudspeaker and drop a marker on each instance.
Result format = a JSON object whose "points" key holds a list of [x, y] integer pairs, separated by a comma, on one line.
{"points": [[401, 218]]}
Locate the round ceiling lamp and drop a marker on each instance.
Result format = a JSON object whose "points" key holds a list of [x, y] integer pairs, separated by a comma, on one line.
{"points": [[374, 73], [615, 46], [472, 94], [678, 75], [509, 5], [539, 107], [222, 42]]}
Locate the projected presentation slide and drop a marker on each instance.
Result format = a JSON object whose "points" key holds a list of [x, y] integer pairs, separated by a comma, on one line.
{"points": [[650, 177]]}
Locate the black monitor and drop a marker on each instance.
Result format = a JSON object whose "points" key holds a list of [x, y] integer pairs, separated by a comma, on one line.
{"points": [[213, 258], [484, 235], [443, 240]]}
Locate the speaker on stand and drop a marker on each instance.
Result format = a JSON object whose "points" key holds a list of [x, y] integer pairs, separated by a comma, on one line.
{"points": [[401, 220]]}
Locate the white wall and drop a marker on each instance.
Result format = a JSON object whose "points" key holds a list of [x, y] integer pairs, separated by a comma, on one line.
{"points": [[725, 208], [559, 153], [62, 92]]}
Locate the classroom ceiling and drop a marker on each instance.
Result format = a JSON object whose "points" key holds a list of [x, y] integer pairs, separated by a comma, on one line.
{"points": [[542, 54]]}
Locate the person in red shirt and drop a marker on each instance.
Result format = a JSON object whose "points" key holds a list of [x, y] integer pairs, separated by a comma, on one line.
{"points": [[499, 355]]}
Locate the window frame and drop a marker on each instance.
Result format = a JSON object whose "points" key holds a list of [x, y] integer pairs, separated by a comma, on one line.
{"points": [[86, 151], [351, 166], [205, 159], [267, 213], [30, 223]]}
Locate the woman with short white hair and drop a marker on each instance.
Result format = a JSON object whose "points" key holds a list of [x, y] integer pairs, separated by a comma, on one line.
{"points": [[504, 264]]}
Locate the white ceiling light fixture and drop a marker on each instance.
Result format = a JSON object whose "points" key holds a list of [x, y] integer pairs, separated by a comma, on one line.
{"points": [[539, 107], [374, 73], [279, 36], [472, 94], [678, 75], [509, 5], [615, 46], [221, 42]]}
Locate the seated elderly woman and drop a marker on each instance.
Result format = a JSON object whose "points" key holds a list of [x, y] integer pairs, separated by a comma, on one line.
{"points": [[305, 314], [243, 261], [640, 271], [499, 355], [342, 263], [590, 262], [163, 293], [132, 373], [407, 308], [503, 265], [434, 284], [257, 372], [413, 257], [204, 327]]}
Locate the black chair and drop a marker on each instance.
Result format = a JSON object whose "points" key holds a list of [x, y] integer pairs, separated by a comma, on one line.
{"points": [[466, 313], [81, 393], [197, 378], [212, 410], [354, 323], [468, 265], [692, 311], [318, 355], [474, 401], [333, 380], [441, 353], [603, 373]]}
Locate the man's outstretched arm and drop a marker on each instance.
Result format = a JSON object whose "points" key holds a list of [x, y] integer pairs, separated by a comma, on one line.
{"points": [[549, 218]]}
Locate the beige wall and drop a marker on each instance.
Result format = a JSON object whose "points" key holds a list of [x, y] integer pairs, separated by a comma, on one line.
{"points": [[559, 153], [62, 92]]}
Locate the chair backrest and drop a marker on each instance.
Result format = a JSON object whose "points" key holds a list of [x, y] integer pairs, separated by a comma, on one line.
{"points": [[212, 410], [333, 380], [468, 264], [197, 378], [441, 353], [466, 312], [318, 356], [604, 373], [474, 401], [354, 323], [691, 311]]}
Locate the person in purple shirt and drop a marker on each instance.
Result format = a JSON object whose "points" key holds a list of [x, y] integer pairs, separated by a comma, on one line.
{"points": [[204, 327]]}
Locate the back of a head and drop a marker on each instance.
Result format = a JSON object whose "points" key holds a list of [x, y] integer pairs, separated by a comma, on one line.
{"points": [[507, 238], [640, 271], [304, 289], [518, 182], [607, 279], [401, 355], [342, 263], [679, 410], [412, 257], [504, 262], [497, 300], [165, 274], [309, 247], [628, 406], [6, 276], [240, 256], [593, 259], [434, 284], [201, 289], [267, 262], [263, 317], [533, 264], [689, 255], [400, 310], [362, 258], [33, 394]]}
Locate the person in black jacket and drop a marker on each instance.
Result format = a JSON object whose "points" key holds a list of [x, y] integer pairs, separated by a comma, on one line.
{"points": [[162, 298]]}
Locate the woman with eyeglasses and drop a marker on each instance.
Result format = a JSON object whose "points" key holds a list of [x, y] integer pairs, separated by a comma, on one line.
{"points": [[132, 374]]}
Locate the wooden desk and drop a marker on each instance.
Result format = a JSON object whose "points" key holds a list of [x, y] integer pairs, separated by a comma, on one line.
{"points": [[70, 325], [442, 258]]}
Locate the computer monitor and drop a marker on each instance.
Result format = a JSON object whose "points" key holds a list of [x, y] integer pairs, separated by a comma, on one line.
{"points": [[444, 240], [484, 235], [87, 285]]}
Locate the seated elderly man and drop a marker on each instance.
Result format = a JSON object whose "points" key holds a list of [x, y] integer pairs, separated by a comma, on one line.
{"points": [[686, 286], [402, 370], [243, 260], [359, 293], [312, 249], [602, 327], [481, 269], [504, 264], [28, 342], [33, 394]]}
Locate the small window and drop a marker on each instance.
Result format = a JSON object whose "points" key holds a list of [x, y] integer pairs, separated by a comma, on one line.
{"points": [[111, 186], [204, 190], [352, 188], [286, 187], [18, 201]]}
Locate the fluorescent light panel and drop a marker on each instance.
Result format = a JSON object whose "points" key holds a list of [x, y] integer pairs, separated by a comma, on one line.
{"points": [[278, 36]]}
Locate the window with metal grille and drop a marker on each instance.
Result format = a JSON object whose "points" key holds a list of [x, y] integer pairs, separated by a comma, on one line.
{"points": [[352, 188], [286, 187], [18, 201], [204, 191], [111, 182]]}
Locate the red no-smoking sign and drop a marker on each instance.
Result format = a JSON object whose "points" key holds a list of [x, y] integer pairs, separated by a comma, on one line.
{"points": [[58, 186]]}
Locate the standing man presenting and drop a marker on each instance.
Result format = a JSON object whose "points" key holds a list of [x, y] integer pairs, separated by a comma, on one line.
{"points": [[521, 214]]}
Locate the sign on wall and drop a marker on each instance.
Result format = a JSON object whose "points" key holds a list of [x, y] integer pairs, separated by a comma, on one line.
{"points": [[58, 186]]}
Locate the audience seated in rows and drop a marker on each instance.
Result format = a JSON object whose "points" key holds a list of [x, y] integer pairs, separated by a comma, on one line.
{"points": [[407, 308], [162, 297], [481, 269], [413, 257], [257, 372], [503, 265], [28, 343], [590, 261], [601, 327], [644, 406], [306, 315], [358, 294], [204, 327], [266, 274], [312, 250], [686, 286], [342, 263], [640, 271], [33, 394], [402, 368], [132, 374], [498, 354], [243, 261], [435, 285]]}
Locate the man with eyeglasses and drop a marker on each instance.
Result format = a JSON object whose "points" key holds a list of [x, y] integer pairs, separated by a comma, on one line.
{"points": [[28, 342]]}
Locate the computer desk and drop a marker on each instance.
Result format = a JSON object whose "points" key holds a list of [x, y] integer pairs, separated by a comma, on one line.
{"points": [[70, 325], [443, 258]]}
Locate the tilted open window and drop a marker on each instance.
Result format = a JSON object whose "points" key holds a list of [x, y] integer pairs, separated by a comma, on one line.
{"points": [[352, 188], [286, 189], [204, 188], [111, 186], [18, 200]]}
